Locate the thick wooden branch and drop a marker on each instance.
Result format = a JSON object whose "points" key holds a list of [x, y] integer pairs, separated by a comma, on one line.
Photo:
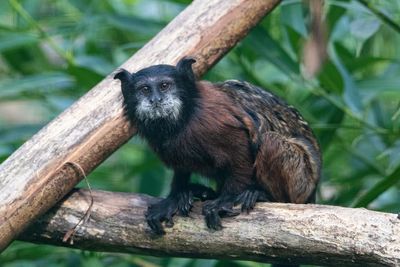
{"points": [[308, 234], [37, 175]]}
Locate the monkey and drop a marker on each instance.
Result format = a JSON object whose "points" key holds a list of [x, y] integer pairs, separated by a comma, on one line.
{"points": [[251, 142]]}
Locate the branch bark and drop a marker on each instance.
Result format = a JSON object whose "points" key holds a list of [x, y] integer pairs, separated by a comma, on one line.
{"points": [[273, 232], [37, 175]]}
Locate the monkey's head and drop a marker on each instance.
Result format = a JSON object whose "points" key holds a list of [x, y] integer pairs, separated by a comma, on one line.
{"points": [[160, 92]]}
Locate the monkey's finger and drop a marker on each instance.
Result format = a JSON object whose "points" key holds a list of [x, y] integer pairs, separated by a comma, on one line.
{"points": [[185, 203], [247, 204], [156, 227], [242, 197], [154, 221], [228, 212], [254, 199], [245, 200], [189, 201], [213, 221]]}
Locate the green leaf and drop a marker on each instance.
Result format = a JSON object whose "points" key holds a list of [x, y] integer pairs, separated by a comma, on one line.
{"points": [[330, 116], [330, 78], [9, 41], [292, 16], [380, 84], [95, 63], [84, 76], [364, 28], [135, 24], [351, 94], [35, 83], [334, 14], [295, 41], [262, 43], [378, 189]]}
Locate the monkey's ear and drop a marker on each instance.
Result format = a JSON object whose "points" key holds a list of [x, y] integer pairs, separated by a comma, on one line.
{"points": [[125, 77], [184, 67]]}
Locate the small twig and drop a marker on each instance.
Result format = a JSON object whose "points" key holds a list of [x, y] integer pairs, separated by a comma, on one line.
{"points": [[71, 232]]}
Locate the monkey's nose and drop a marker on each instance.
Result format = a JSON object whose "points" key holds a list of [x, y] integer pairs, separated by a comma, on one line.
{"points": [[156, 100]]}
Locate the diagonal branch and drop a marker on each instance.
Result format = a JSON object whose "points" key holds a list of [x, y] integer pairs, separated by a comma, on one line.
{"points": [[36, 176], [308, 234]]}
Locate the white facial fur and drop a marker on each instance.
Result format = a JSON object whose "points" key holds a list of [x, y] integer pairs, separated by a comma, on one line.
{"points": [[169, 108]]}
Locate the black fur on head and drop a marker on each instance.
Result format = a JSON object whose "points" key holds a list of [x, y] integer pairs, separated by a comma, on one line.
{"points": [[161, 97]]}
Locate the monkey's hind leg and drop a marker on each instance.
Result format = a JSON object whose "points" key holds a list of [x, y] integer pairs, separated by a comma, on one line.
{"points": [[288, 168]]}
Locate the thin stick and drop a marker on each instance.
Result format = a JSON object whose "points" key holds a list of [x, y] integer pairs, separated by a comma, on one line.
{"points": [[71, 232]]}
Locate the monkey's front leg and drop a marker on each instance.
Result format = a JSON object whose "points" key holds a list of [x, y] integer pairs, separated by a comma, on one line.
{"points": [[180, 199]]}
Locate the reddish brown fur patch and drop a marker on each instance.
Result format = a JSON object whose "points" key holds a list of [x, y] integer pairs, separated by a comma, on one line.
{"points": [[284, 169]]}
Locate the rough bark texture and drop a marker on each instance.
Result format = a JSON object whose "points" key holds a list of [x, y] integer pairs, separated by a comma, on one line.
{"points": [[37, 175], [309, 234]]}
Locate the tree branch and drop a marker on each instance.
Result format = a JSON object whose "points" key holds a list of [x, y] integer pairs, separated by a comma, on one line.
{"points": [[308, 234], [37, 175]]}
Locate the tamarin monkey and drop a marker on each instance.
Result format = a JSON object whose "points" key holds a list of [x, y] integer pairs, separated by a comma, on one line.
{"points": [[251, 142]]}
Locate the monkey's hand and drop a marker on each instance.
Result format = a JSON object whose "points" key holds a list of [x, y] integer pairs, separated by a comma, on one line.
{"points": [[180, 202], [213, 210]]}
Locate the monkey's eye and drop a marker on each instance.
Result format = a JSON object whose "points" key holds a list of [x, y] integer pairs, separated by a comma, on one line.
{"points": [[145, 89], [164, 86]]}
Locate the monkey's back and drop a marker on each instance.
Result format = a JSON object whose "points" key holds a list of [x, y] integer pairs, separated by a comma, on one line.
{"points": [[269, 112]]}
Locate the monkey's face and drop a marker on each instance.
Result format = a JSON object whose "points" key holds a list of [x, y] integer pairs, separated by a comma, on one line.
{"points": [[153, 93], [157, 97], [158, 92]]}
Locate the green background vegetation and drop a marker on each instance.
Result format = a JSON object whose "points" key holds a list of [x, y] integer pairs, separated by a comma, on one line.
{"points": [[53, 52]]}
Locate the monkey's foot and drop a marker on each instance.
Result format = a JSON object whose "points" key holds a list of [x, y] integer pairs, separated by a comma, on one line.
{"points": [[160, 212], [164, 210], [249, 198], [213, 210]]}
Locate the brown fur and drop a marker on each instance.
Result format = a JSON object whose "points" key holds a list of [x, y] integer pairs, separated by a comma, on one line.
{"points": [[284, 169]]}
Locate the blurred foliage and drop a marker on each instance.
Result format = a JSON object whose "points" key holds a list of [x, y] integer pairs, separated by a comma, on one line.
{"points": [[52, 52]]}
